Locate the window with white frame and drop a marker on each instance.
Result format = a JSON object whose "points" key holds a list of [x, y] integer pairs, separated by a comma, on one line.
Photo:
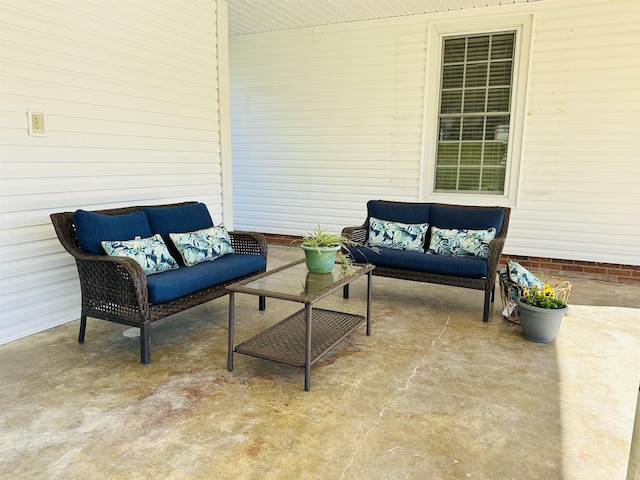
{"points": [[474, 121], [475, 108]]}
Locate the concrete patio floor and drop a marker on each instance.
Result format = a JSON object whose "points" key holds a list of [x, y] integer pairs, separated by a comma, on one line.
{"points": [[433, 393]]}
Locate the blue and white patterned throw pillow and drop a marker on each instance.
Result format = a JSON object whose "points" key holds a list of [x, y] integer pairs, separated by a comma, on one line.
{"points": [[151, 253], [520, 275], [460, 242], [202, 245], [396, 235]]}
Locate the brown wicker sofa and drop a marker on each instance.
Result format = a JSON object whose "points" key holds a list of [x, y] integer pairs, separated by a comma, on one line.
{"points": [[117, 289], [423, 264]]}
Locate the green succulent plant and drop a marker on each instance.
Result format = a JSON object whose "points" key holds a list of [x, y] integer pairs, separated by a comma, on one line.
{"points": [[319, 238]]}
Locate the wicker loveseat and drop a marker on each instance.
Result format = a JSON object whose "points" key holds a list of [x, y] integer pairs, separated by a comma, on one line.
{"points": [[461, 271], [117, 289]]}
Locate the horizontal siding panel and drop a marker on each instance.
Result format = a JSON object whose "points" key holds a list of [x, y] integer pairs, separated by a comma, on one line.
{"points": [[145, 40], [61, 139], [16, 91], [41, 319], [168, 90], [195, 117], [74, 159], [111, 199], [26, 48]]}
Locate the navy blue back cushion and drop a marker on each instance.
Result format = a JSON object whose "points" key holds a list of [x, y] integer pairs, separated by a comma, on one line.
{"points": [[92, 228], [398, 211], [466, 218], [188, 218]]}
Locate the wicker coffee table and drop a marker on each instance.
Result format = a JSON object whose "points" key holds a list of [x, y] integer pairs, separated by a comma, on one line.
{"points": [[304, 337]]}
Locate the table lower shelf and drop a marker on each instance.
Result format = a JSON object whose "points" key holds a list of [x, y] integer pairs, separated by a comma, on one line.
{"points": [[285, 341]]}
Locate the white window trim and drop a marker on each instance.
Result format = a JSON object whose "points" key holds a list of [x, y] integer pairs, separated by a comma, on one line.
{"points": [[523, 26]]}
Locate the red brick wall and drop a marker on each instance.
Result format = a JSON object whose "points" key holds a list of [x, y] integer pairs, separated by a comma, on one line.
{"points": [[609, 272]]}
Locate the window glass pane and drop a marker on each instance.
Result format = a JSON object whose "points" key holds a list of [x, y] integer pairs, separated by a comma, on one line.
{"points": [[500, 74], [473, 128], [471, 154], [493, 179], [452, 76], [502, 46], [498, 100], [446, 178], [478, 48], [469, 179], [495, 153], [454, 49], [448, 154], [474, 100], [498, 128], [450, 128], [451, 101], [476, 75]]}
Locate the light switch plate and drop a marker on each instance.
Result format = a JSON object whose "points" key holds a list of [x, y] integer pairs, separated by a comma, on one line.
{"points": [[35, 121]]}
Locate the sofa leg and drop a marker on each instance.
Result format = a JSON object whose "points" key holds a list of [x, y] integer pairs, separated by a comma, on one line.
{"points": [[145, 343], [262, 303], [83, 328], [487, 298], [345, 291]]}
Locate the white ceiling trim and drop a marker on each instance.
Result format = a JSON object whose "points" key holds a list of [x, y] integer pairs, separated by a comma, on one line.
{"points": [[256, 16]]}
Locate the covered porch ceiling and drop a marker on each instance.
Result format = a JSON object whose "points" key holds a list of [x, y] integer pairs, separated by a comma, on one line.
{"points": [[255, 16]]}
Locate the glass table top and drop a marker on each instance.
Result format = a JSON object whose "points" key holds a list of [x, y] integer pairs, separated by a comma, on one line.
{"points": [[295, 282]]}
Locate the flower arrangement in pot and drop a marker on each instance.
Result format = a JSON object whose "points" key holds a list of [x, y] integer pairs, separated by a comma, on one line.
{"points": [[321, 249], [541, 313]]}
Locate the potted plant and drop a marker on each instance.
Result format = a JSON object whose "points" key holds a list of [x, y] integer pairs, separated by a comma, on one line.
{"points": [[322, 248], [540, 314]]}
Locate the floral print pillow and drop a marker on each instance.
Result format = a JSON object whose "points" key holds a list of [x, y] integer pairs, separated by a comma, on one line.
{"points": [[151, 253], [520, 275], [202, 245], [396, 235], [460, 242]]}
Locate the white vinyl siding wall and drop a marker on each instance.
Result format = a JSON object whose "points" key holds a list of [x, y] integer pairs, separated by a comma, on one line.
{"points": [[351, 97], [323, 120], [580, 179], [130, 95]]}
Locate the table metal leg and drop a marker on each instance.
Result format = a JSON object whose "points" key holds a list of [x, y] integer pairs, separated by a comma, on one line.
{"points": [[369, 276], [307, 350], [232, 314]]}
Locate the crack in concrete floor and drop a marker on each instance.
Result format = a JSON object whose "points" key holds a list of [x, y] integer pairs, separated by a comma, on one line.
{"points": [[398, 391]]}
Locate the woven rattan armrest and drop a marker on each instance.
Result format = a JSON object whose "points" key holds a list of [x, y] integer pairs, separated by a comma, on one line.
{"points": [[113, 280], [495, 251], [357, 234], [248, 243]]}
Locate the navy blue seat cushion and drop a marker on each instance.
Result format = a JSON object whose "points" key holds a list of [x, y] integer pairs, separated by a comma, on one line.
{"points": [[173, 284], [188, 218], [92, 228], [467, 267], [398, 211], [466, 218]]}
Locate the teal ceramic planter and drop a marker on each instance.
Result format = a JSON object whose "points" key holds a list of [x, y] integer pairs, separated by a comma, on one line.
{"points": [[540, 324], [320, 260]]}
